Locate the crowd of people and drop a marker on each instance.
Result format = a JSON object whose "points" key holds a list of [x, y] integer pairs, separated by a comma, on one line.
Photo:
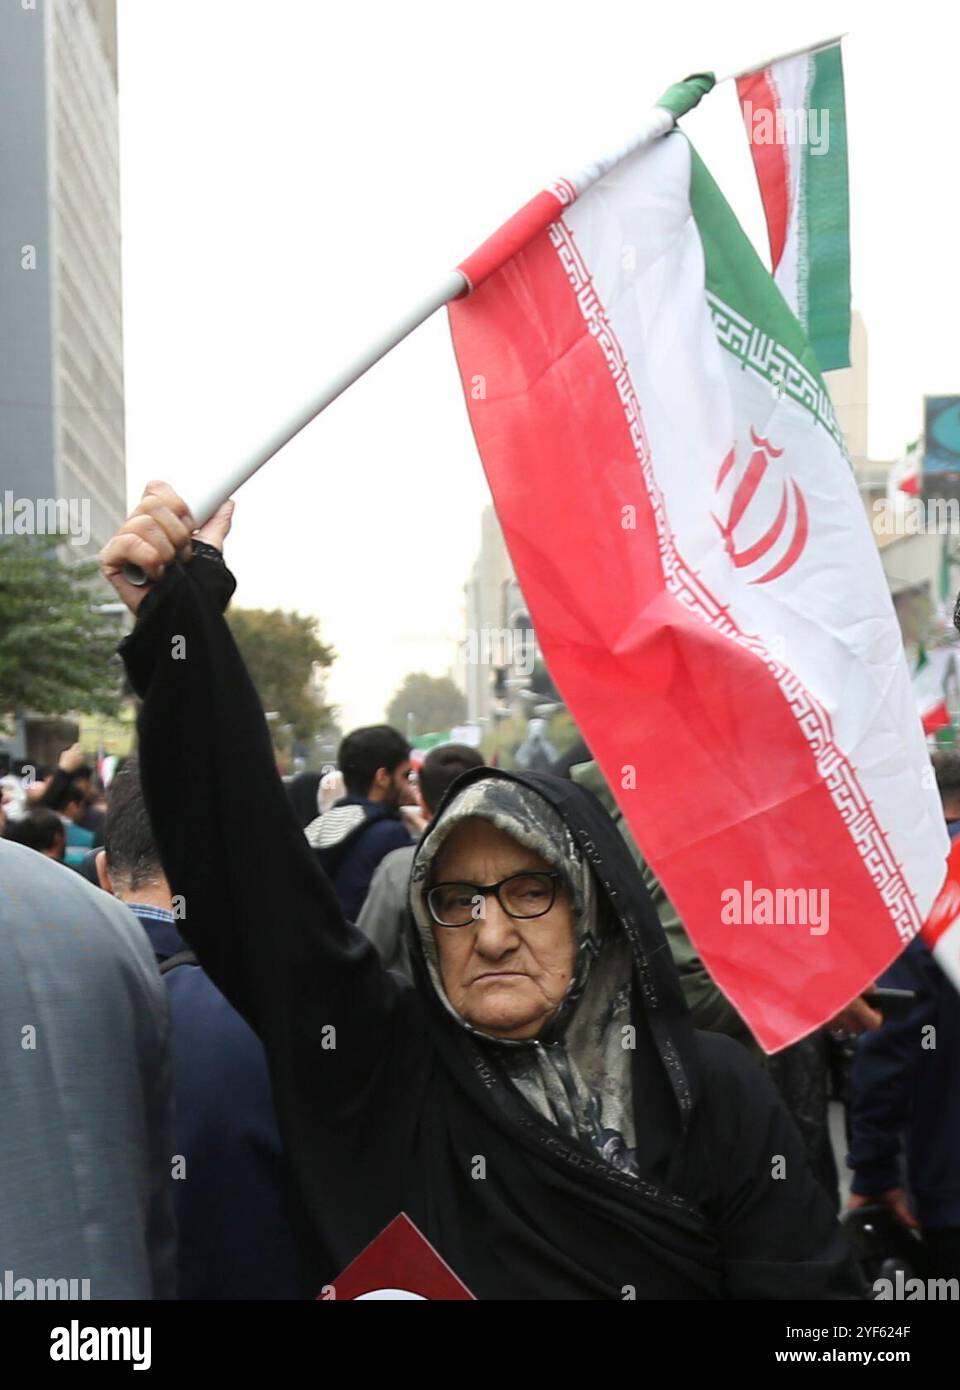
{"points": [[248, 1022]]}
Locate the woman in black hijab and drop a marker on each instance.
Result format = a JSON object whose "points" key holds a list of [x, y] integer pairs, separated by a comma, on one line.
{"points": [[537, 1101]]}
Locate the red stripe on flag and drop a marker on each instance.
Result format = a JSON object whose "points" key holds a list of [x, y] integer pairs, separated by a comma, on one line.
{"points": [[532, 218], [728, 792], [770, 159]]}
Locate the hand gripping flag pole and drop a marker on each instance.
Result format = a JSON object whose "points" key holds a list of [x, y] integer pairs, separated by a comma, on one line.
{"points": [[521, 228]]}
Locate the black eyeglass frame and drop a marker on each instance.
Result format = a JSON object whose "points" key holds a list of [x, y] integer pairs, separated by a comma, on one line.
{"points": [[477, 888]]}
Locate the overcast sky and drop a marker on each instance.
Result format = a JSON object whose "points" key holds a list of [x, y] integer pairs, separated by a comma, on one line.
{"points": [[295, 172]]}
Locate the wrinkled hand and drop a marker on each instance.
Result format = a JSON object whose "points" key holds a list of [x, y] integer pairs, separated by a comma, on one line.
{"points": [[158, 531], [895, 1198], [71, 758], [858, 1017]]}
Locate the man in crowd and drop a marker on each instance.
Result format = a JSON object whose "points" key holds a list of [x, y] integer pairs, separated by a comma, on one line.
{"points": [[385, 912], [904, 1103], [40, 829], [92, 816], [67, 802], [87, 1131], [230, 1188], [68, 793], [362, 827]]}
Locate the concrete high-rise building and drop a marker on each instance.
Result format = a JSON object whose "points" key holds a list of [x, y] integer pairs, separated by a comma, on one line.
{"points": [[61, 343]]}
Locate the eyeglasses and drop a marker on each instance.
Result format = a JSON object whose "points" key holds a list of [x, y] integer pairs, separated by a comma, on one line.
{"points": [[523, 896]]}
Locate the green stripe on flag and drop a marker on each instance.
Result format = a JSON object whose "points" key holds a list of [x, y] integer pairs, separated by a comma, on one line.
{"points": [[752, 319], [736, 274], [826, 210]]}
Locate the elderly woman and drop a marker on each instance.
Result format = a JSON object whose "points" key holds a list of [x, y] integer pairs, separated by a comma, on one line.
{"points": [[537, 1101]]}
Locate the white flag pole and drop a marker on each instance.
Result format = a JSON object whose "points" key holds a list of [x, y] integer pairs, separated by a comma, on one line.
{"points": [[782, 57], [212, 495]]}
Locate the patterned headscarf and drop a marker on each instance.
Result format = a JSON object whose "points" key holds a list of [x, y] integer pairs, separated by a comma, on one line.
{"points": [[576, 1073]]}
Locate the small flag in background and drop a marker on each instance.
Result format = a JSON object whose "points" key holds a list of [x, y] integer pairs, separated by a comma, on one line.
{"points": [[687, 532], [929, 685], [796, 124], [904, 476]]}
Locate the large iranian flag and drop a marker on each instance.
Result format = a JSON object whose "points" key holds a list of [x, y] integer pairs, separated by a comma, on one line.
{"points": [[687, 532], [796, 123]]}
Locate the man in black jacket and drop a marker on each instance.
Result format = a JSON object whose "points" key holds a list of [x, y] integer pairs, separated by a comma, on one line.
{"points": [[532, 1171], [364, 826]]}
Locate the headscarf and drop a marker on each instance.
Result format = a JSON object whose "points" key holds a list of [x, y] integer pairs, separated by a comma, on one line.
{"points": [[577, 1072]]}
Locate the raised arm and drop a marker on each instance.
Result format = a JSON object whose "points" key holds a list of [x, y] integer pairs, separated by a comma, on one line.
{"points": [[259, 912]]}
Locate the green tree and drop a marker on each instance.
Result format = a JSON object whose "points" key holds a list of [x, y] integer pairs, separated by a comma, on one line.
{"points": [[57, 653], [282, 651], [435, 702]]}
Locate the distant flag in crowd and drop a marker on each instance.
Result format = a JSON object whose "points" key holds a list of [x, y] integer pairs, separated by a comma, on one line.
{"points": [[904, 477], [796, 124], [929, 685], [687, 532]]}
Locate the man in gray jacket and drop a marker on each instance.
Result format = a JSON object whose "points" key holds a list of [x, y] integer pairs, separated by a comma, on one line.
{"points": [[86, 1139]]}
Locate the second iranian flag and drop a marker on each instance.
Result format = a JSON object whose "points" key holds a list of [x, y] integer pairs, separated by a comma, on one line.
{"points": [[687, 532]]}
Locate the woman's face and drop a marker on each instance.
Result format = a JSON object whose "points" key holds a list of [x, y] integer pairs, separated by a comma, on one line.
{"points": [[502, 974]]}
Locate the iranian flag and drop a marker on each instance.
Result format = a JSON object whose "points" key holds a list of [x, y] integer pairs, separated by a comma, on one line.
{"points": [[903, 480], [796, 124], [929, 685], [687, 532]]}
